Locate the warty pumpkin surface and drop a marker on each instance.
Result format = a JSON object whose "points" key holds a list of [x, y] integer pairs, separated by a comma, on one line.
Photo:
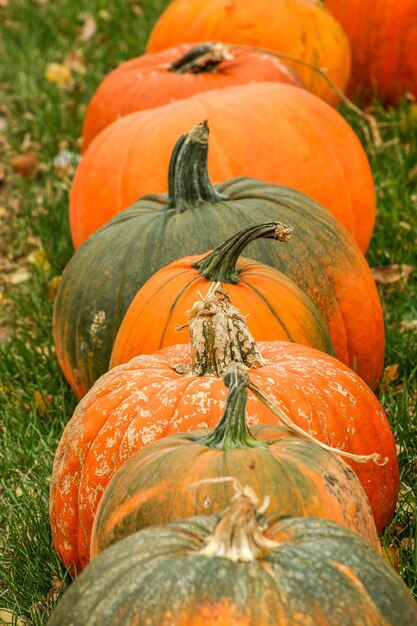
{"points": [[178, 389], [155, 79], [104, 275], [275, 307], [301, 28], [239, 570], [278, 133], [383, 36], [180, 476]]}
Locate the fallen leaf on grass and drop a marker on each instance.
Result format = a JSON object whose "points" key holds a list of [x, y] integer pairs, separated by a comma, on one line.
{"points": [[88, 29], [408, 325], [389, 374], [56, 585], [27, 165], [20, 276], [41, 401], [39, 259], [391, 554], [8, 617], [58, 73], [75, 62], [390, 274], [53, 287]]}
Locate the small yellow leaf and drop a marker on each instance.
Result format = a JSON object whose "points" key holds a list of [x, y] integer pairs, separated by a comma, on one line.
{"points": [[53, 287], [41, 401], [392, 555], [389, 374], [19, 492], [58, 73], [392, 273], [39, 259]]}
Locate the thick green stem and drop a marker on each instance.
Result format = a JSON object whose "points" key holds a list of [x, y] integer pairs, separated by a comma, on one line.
{"points": [[232, 430], [204, 58], [220, 264], [188, 180]]}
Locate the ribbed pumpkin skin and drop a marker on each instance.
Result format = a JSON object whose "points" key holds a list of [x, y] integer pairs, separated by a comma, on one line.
{"points": [[302, 28], [144, 400], [146, 82], [289, 137], [319, 574], [321, 258], [301, 479], [383, 36], [275, 307]]}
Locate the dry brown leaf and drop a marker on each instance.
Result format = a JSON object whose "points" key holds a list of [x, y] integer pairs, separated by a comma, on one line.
{"points": [[27, 165], [137, 10], [58, 73], [75, 62], [412, 174], [392, 273], [88, 29], [56, 586]]}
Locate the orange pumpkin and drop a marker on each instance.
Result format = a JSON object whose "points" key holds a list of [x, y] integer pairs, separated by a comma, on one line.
{"points": [[278, 133], [275, 306], [152, 80], [174, 391], [383, 36], [301, 28], [155, 486]]}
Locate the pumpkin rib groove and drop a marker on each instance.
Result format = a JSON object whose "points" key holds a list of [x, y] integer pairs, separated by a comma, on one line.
{"points": [[273, 311]]}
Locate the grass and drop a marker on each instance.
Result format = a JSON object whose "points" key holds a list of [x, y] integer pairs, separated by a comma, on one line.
{"points": [[35, 401]]}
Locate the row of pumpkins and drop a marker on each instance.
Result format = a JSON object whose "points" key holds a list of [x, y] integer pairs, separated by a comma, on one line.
{"points": [[295, 526]]}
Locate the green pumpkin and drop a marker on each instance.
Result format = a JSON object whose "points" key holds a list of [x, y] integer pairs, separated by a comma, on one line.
{"points": [[110, 267], [239, 569]]}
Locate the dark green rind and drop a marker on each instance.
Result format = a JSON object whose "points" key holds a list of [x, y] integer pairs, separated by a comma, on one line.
{"points": [[102, 277], [155, 577]]}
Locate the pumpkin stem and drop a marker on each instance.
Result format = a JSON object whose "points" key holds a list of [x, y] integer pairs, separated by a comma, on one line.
{"points": [[220, 264], [204, 58], [188, 180], [238, 535], [285, 419], [232, 430], [218, 335]]}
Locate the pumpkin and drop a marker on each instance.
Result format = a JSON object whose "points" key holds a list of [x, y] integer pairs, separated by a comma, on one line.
{"points": [[275, 306], [104, 275], [239, 569], [383, 35], [155, 79], [278, 133], [155, 485], [301, 28], [178, 389]]}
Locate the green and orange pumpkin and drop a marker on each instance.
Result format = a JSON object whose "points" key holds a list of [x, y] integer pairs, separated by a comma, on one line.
{"points": [[239, 569]]}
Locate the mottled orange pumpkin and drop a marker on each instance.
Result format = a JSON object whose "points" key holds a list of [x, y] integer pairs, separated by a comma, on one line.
{"points": [[275, 132], [275, 307], [174, 391], [302, 28], [160, 483], [152, 80], [383, 36]]}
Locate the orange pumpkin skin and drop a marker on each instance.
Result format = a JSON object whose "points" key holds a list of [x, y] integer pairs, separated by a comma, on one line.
{"points": [[146, 399], [301, 28], [290, 137], [275, 308], [148, 81], [383, 36]]}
